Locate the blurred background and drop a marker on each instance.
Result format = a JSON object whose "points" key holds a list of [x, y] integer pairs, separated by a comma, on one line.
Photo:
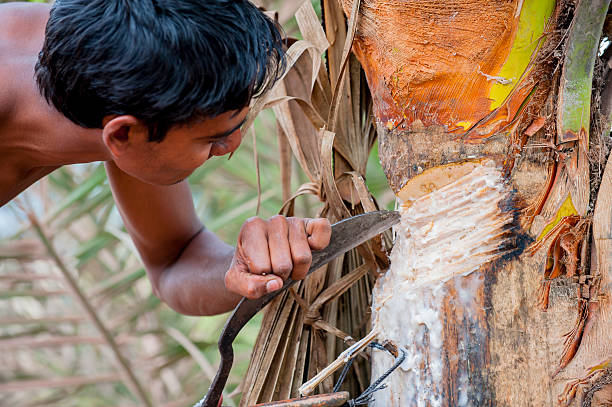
{"points": [[54, 353]]}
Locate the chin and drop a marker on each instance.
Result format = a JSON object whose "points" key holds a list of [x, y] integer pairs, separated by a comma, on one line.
{"points": [[176, 179], [160, 177], [159, 181], [177, 182], [167, 182]]}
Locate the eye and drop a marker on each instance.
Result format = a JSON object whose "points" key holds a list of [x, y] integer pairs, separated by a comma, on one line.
{"points": [[216, 140]]}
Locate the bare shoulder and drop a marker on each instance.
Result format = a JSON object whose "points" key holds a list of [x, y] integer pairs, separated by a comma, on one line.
{"points": [[19, 19], [22, 30]]}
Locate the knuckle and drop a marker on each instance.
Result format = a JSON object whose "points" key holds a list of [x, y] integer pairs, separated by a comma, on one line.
{"points": [[278, 218], [303, 258], [253, 221], [321, 224], [278, 222], [284, 268], [325, 223], [296, 221]]}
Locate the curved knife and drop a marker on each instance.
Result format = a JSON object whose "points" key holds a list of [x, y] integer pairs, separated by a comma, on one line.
{"points": [[346, 235]]}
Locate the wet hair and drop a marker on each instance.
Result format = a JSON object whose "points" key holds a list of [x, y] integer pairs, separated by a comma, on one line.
{"points": [[166, 62]]}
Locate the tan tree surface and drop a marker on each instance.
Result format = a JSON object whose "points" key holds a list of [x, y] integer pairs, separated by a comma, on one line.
{"points": [[483, 112], [493, 126]]}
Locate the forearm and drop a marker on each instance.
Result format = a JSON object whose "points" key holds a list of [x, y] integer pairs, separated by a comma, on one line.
{"points": [[186, 264], [194, 283]]}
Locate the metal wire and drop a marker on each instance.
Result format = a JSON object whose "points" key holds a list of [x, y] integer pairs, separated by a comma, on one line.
{"points": [[366, 396], [343, 374]]}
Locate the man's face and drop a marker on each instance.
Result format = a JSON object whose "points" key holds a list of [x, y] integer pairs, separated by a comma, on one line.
{"points": [[183, 149]]}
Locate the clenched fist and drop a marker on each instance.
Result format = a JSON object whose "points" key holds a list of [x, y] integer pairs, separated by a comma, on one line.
{"points": [[270, 251]]}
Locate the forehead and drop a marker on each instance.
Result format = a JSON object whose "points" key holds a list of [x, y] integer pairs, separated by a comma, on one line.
{"points": [[227, 120]]}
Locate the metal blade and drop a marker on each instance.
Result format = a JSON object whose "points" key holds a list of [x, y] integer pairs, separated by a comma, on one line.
{"points": [[346, 235], [350, 233]]}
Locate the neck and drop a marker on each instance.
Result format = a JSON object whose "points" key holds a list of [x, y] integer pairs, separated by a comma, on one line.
{"points": [[44, 138], [80, 145]]}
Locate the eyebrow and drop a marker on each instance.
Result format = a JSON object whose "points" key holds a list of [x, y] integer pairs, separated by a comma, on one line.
{"points": [[226, 133]]}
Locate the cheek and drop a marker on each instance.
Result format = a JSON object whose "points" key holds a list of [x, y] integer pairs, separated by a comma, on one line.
{"points": [[204, 153], [193, 155], [191, 161]]}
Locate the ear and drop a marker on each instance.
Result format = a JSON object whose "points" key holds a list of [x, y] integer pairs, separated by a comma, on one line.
{"points": [[120, 133]]}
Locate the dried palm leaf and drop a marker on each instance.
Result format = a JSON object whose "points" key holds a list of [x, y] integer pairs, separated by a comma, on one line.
{"points": [[304, 330]]}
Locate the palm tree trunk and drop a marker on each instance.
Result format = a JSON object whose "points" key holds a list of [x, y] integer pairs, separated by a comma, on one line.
{"points": [[495, 290]]}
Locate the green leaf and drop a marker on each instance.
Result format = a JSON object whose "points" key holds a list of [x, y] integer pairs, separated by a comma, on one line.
{"points": [[574, 109], [91, 248], [97, 178]]}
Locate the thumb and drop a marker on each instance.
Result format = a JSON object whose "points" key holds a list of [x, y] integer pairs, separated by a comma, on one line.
{"points": [[251, 285], [319, 233]]}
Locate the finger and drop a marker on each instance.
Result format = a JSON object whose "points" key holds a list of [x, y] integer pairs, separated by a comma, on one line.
{"points": [[300, 250], [319, 233], [253, 246], [250, 285], [278, 245]]}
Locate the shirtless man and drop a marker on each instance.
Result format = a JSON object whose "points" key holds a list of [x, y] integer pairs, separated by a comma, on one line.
{"points": [[154, 89]]}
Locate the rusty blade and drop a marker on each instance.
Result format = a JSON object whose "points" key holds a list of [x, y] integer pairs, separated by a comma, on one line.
{"points": [[346, 235]]}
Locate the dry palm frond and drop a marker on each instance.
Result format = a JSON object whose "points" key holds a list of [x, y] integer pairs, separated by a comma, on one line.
{"points": [[325, 115]]}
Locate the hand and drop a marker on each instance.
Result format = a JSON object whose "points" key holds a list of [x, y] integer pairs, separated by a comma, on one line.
{"points": [[268, 252]]}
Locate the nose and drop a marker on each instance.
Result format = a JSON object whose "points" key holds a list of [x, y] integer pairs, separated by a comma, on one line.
{"points": [[226, 146]]}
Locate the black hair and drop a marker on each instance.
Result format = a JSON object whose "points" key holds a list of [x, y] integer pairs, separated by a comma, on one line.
{"points": [[166, 62]]}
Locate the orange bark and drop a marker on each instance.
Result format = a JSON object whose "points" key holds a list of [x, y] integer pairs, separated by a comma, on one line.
{"points": [[441, 72]]}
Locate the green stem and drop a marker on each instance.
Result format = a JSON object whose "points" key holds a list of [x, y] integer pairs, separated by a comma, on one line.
{"points": [[89, 309], [574, 111]]}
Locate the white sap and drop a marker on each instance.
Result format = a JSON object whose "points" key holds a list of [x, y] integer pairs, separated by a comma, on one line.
{"points": [[447, 233]]}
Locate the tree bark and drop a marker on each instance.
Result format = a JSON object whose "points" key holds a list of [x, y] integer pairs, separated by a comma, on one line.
{"points": [[493, 195]]}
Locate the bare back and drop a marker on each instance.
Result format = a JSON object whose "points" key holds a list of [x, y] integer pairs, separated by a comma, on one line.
{"points": [[28, 125]]}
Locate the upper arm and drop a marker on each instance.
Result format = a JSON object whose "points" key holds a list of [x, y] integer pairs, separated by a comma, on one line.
{"points": [[160, 219]]}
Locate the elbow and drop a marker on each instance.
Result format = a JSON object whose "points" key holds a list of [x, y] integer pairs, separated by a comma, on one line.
{"points": [[186, 306], [155, 278], [175, 301], [163, 289], [182, 298], [156, 290]]}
